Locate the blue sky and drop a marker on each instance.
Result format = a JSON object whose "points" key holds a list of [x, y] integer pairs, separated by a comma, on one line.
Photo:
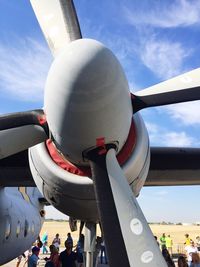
{"points": [[154, 40]]}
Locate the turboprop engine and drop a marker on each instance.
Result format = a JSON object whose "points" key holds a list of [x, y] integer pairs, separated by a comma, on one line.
{"points": [[87, 105]]}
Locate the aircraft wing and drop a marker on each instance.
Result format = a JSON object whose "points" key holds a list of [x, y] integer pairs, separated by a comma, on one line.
{"points": [[174, 166], [15, 171], [169, 166]]}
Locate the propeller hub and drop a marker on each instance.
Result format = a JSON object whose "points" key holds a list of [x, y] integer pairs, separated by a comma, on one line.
{"points": [[87, 98]]}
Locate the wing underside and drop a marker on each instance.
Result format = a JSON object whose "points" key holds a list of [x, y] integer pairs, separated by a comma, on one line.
{"points": [[169, 166], [174, 166], [15, 171]]}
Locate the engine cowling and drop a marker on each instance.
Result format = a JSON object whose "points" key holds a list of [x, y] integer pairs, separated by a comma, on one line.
{"points": [[73, 194], [87, 104]]}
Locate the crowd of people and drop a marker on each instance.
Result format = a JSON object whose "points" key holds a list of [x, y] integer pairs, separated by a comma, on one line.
{"points": [[72, 256], [190, 257]]}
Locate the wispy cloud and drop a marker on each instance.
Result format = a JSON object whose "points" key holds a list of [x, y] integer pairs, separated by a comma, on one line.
{"points": [[178, 139], [156, 195], [161, 193], [24, 66], [163, 137], [163, 58], [186, 113], [179, 13]]}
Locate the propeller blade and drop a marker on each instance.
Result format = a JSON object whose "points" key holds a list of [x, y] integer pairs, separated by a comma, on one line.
{"points": [[21, 130], [58, 21], [183, 88], [124, 225]]}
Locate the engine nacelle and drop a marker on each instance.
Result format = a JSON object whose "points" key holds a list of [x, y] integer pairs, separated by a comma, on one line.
{"points": [[87, 102], [74, 194]]}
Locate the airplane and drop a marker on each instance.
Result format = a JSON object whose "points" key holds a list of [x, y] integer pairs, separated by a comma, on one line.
{"points": [[88, 149]]}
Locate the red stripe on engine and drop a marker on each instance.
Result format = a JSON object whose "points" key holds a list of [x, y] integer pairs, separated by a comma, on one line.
{"points": [[65, 164], [42, 119], [100, 143], [128, 147]]}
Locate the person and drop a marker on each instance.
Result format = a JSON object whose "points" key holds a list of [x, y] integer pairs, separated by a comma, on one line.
{"points": [[163, 241], [27, 253], [33, 260], [169, 244], [189, 250], [195, 260], [38, 242], [103, 252], [69, 239], [54, 257], [157, 240], [198, 242], [182, 262], [56, 242], [187, 240], [168, 258], [45, 243], [80, 251], [19, 259], [97, 249], [49, 264], [68, 257], [44, 248]]}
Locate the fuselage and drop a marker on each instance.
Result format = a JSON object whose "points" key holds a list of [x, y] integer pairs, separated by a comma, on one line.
{"points": [[20, 220]]}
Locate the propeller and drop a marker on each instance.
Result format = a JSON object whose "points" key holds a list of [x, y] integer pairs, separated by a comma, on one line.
{"points": [[182, 88], [124, 225], [21, 130], [58, 21]]}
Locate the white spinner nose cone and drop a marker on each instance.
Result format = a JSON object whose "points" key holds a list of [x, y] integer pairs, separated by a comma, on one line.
{"points": [[87, 97]]}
